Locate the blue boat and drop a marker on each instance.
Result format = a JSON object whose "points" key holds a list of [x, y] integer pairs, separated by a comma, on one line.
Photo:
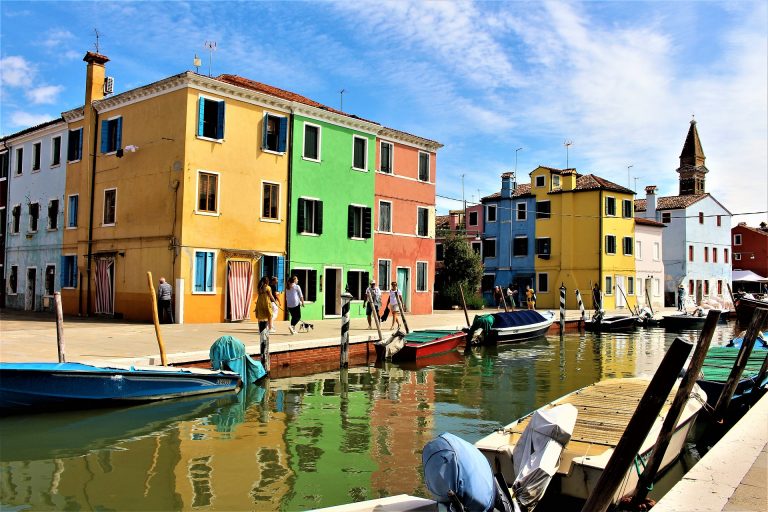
{"points": [[30, 386], [510, 327]]}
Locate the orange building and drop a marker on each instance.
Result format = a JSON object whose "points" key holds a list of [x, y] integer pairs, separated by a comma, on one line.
{"points": [[404, 235]]}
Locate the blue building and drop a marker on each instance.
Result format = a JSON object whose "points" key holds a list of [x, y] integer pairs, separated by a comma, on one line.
{"points": [[509, 236]]}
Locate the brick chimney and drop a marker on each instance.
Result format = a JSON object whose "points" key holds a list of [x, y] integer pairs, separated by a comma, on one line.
{"points": [[94, 78], [508, 185], [567, 179], [650, 202]]}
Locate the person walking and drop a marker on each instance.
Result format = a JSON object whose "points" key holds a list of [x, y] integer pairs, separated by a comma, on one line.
{"points": [[516, 296], [498, 296], [394, 297], [680, 297], [510, 297], [597, 298], [164, 294], [374, 304], [294, 301], [264, 301], [275, 307], [530, 297]]}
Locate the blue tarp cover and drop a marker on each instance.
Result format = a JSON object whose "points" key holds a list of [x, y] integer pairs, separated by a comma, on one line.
{"points": [[517, 318], [228, 353]]}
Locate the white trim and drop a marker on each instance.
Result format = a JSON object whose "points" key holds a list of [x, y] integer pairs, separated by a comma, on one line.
{"points": [[494, 246], [536, 181], [17, 165], [215, 213], [469, 216], [429, 166], [100, 142], [391, 217], [623, 240], [495, 212], [66, 219], [305, 291], [69, 133], [613, 285], [391, 157], [197, 118], [104, 208], [319, 142], [194, 270], [528, 247], [279, 202], [77, 273], [401, 177], [478, 242], [267, 113], [426, 276], [517, 211], [737, 239], [364, 169]]}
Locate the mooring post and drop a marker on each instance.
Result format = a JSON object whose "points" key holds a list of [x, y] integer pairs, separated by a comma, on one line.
{"points": [[401, 307], [673, 414], [583, 320], [375, 311], [642, 420], [59, 328], [153, 295], [758, 318], [562, 308], [264, 347], [464, 304], [730, 292], [346, 298]]}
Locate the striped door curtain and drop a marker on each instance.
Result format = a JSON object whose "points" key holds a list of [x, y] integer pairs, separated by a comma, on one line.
{"points": [[104, 304], [240, 286]]}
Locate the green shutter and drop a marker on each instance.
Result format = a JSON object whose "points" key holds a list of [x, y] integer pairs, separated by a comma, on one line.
{"points": [[350, 221], [300, 216], [319, 217]]}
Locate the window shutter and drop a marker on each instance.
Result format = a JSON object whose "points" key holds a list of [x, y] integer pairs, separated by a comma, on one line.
{"points": [[220, 121], [366, 223], [431, 222], [300, 217], [283, 135], [104, 136], [264, 130], [209, 272], [280, 273], [350, 221], [79, 144], [64, 272], [119, 138], [311, 285], [200, 116], [319, 217], [199, 271]]}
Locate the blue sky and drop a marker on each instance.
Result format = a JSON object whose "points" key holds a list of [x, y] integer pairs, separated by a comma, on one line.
{"points": [[618, 79]]}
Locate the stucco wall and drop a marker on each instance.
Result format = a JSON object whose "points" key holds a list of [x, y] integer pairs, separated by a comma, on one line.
{"points": [[649, 267]]}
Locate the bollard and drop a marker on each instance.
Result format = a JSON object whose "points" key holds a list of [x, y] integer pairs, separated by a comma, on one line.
{"points": [[346, 298], [163, 359], [264, 347], [562, 308], [581, 307], [59, 328]]}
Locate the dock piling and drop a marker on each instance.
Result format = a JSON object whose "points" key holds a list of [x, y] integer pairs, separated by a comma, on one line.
{"points": [[59, 328], [562, 308], [346, 298], [464, 304], [581, 308], [401, 307], [163, 359]]}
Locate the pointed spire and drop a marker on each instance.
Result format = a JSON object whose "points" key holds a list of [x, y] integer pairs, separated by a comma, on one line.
{"points": [[692, 153]]}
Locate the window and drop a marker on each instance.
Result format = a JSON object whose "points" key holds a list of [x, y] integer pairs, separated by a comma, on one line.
{"points": [[690, 253], [56, 151], [737, 239], [706, 255], [421, 276], [34, 216], [608, 285], [311, 142], [423, 166], [358, 221], [521, 211], [666, 217], [626, 208], [638, 250], [13, 280], [72, 211], [307, 282], [357, 282], [487, 282], [75, 145], [205, 263], [50, 279], [690, 287], [520, 246], [630, 285], [719, 287], [385, 156], [627, 245], [540, 181], [422, 219], [719, 220], [273, 266], [270, 200], [69, 271], [19, 161], [310, 216], [36, 149], [274, 133], [53, 214], [725, 255], [111, 134], [15, 218], [543, 209], [210, 118], [610, 206], [207, 192], [610, 244], [4, 164], [490, 213], [737, 256], [555, 181], [439, 252], [110, 206], [706, 287], [543, 248], [473, 218], [384, 268], [385, 216], [489, 248], [701, 217], [359, 153], [542, 283], [656, 251], [477, 247]]}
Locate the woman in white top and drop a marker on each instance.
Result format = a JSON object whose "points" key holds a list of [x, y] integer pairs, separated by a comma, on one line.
{"points": [[394, 295], [294, 300]]}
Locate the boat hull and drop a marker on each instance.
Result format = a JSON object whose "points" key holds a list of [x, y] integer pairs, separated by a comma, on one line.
{"points": [[683, 322], [612, 324], [745, 308], [442, 342], [518, 333], [25, 386]]}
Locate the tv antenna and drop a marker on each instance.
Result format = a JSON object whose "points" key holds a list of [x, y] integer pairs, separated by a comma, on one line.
{"points": [[567, 143], [96, 44], [341, 99], [211, 45], [628, 180]]}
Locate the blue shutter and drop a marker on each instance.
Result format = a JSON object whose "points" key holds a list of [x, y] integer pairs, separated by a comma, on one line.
{"points": [[283, 135], [264, 131], [280, 273], [119, 141], [199, 271], [220, 121], [64, 272], [209, 272], [104, 136], [200, 116]]}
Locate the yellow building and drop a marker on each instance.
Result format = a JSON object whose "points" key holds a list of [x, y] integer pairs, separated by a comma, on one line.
{"points": [[187, 178], [584, 235]]}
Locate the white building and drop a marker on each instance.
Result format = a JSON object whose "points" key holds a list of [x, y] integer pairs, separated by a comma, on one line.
{"points": [[648, 261], [696, 241]]}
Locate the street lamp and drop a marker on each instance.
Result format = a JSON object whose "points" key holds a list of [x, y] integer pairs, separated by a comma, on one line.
{"points": [[518, 149]]}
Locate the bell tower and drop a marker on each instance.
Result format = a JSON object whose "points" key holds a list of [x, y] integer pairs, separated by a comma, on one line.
{"points": [[692, 170]]}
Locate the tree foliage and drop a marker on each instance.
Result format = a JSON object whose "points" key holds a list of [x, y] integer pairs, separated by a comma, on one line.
{"points": [[461, 267]]}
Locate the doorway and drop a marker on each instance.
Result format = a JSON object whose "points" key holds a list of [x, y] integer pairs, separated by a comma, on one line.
{"points": [[332, 291], [620, 301], [105, 282], [404, 285], [29, 297]]}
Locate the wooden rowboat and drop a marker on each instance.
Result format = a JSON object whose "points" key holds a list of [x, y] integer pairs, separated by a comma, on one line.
{"points": [[423, 343]]}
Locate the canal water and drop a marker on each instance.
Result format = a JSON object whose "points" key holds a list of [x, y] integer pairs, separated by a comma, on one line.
{"points": [[307, 442]]}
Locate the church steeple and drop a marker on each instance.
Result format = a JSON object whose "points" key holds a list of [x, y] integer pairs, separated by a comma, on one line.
{"points": [[692, 169]]}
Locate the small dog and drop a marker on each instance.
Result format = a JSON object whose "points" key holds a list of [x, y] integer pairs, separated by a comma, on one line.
{"points": [[305, 327]]}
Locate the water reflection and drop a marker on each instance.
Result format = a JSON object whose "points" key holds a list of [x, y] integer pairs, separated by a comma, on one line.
{"points": [[303, 442]]}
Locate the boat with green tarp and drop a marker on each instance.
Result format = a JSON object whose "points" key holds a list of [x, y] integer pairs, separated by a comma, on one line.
{"points": [[717, 367], [422, 343]]}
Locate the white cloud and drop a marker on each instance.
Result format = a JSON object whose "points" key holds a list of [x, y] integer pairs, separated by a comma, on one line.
{"points": [[55, 38], [44, 94], [15, 71], [27, 119]]}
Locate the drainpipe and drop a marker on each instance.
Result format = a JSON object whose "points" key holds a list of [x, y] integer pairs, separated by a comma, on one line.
{"points": [[90, 212], [600, 245], [289, 205]]}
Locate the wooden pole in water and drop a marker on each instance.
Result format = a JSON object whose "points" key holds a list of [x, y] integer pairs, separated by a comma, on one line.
{"points": [[375, 314], [673, 414], [402, 313], [758, 318], [346, 299], [581, 308], [264, 348], [464, 304], [59, 328], [730, 292], [152, 293], [562, 308], [642, 420]]}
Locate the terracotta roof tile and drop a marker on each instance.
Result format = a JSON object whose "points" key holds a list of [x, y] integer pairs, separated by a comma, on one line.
{"points": [[649, 222], [592, 182], [520, 190], [670, 202]]}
